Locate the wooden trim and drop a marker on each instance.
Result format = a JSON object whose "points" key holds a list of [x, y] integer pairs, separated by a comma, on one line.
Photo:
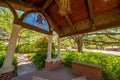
{"points": [[49, 20], [38, 11], [70, 23], [47, 4], [12, 10], [25, 25], [19, 6], [99, 27], [90, 12], [84, 26], [56, 28], [24, 3], [28, 12]]}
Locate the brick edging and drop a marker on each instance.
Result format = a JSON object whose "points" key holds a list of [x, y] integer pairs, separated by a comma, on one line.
{"points": [[6, 76], [90, 70]]}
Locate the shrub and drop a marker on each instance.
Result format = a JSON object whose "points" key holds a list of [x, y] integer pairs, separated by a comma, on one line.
{"points": [[42, 45], [26, 48], [1, 59], [110, 63], [39, 60], [15, 61], [3, 46]]}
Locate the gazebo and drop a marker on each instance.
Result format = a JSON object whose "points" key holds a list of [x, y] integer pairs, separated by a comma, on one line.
{"points": [[65, 17]]}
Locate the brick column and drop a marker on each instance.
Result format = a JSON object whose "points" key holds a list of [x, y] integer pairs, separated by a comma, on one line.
{"points": [[7, 69]]}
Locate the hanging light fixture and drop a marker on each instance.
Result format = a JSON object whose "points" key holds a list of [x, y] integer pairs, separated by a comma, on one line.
{"points": [[64, 7]]}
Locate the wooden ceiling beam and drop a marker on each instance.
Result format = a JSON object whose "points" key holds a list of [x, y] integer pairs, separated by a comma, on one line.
{"points": [[57, 29], [73, 29], [68, 20], [24, 3], [99, 27], [104, 20], [90, 12], [18, 6], [54, 26], [47, 4]]}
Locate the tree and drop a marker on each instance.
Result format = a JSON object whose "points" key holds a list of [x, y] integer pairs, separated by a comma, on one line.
{"points": [[79, 41], [103, 38]]}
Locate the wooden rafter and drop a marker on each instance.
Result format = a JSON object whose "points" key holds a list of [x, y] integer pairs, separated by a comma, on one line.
{"points": [[111, 16], [18, 6], [47, 4], [57, 29], [99, 27], [24, 3], [70, 23], [90, 12]]}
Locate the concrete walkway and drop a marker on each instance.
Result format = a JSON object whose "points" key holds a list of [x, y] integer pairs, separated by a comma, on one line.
{"points": [[104, 51], [24, 66]]}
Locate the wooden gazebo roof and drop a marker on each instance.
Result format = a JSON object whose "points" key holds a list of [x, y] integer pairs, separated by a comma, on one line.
{"points": [[85, 16]]}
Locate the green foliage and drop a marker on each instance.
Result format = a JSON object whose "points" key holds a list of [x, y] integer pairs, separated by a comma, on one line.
{"points": [[39, 45], [2, 52], [42, 45], [38, 59], [110, 64], [104, 39], [3, 46], [15, 61], [6, 19], [26, 48], [54, 54], [2, 56]]}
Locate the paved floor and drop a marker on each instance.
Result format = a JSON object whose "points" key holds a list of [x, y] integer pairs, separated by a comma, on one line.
{"points": [[104, 51], [24, 65], [61, 73]]}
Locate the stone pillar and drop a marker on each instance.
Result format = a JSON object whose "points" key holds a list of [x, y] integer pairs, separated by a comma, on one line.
{"points": [[52, 63], [59, 47], [49, 47], [7, 68]]}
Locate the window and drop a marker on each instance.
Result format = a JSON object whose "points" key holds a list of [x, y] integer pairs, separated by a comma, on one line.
{"points": [[37, 20]]}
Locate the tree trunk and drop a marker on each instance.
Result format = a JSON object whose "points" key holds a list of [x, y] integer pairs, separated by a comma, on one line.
{"points": [[80, 45], [79, 40]]}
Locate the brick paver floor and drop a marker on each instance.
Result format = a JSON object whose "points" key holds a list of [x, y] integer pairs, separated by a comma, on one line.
{"points": [[61, 73]]}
